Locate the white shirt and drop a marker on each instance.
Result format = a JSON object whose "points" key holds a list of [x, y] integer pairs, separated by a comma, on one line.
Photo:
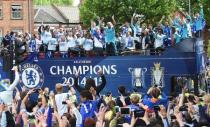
{"points": [[59, 98], [80, 41], [97, 43], [189, 30], [63, 46], [88, 44], [71, 42], [52, 44], [129, 42], [159, 40], [143, 43], [38, 44], [7, 95], [46, 37]]}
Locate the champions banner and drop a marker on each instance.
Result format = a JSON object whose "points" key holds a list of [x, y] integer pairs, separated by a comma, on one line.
{"points": [[132, 71]]}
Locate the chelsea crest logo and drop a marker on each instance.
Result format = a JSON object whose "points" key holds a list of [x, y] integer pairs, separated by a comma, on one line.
{"points": [[31, 76]]}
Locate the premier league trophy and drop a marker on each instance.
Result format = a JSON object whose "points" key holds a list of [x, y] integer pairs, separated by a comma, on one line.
{"points": [[137, 76], [157, 75]]}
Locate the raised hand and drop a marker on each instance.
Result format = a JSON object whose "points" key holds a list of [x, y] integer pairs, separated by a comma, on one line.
{"points": [[100, 72], [31, 91], [112, 17], [15, 68], [77, 74], [101, 114]]}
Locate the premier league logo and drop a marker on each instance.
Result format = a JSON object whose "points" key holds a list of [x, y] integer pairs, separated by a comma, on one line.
{"points": [[137, 76], [31, 76], [157, 75]]}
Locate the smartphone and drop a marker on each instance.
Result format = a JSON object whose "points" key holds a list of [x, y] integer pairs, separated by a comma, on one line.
{"points": [[139, 113], [117, 109], [183, 108], [173, 116], [31, 117], [64, 102], [125, 111], [119, 125]]}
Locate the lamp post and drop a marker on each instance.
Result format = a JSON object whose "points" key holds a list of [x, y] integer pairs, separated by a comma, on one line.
{"points": [[189, 7]]}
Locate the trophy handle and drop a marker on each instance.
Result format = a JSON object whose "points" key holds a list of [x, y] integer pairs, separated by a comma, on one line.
{"points": [[144, 70], [130, 69]]}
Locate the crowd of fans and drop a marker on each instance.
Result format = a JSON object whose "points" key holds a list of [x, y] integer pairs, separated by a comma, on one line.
{"points": [[104, 39], [66, 108], [71, 105]]}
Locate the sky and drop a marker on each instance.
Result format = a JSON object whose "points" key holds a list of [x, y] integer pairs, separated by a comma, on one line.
{"points": [[76, 2]]}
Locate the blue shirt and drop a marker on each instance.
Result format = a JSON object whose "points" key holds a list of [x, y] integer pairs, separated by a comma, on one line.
{"points": [[167, 31], [177, 37], [3, 119], [148, 101], [184, 31], [32, 45], [198, 23], [88, 109], [109, 35], [176, 23]]}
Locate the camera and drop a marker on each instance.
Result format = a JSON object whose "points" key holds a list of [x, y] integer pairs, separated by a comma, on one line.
{"points": [[183, 108]]}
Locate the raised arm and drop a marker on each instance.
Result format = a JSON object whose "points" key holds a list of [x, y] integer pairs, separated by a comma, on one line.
{"points": [[100, 21], [76, 113], [113, 20], [201, 11], [181, 100], [44, 101], [16, 81], [23, 103], [161, 20], [102, 85], [170, 20], [132, 25], [76, 85]]}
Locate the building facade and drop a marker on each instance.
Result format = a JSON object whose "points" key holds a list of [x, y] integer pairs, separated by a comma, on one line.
{"points": [[16, 15], [56, 16]]}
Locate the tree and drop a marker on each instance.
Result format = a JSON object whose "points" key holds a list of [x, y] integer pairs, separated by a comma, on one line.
{"points": [[124, 9], [152, 9], [56, 2], [195, 7]]}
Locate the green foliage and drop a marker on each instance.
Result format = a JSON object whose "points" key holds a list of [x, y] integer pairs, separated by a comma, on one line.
{"points": [[123, 9], [195, 7], [56, 2]]}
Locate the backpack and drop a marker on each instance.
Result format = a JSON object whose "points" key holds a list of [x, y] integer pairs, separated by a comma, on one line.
{"points": [[10, 119]]}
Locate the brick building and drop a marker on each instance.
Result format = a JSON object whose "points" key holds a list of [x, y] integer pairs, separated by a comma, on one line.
{"points": [[16, 15]]}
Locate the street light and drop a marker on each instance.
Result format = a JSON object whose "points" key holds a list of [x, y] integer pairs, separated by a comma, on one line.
{"points": [[189, 7]]}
